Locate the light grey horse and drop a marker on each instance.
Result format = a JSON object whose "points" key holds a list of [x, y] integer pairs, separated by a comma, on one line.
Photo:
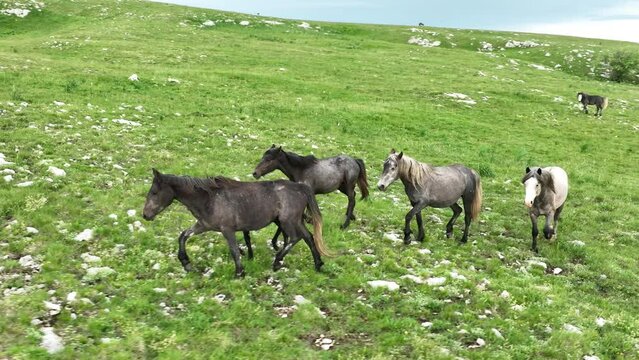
{"points": [[435, 186], [546, 192], [322, 175]]}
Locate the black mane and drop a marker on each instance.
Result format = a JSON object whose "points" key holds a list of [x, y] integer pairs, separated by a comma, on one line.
{"points": [[207, 184], [300, 161]]}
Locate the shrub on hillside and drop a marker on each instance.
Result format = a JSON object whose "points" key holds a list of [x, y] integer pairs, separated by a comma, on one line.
{"points": [[623, 66]]}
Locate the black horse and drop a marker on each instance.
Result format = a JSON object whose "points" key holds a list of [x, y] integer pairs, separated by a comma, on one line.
{"points": [[599, 101], [322, 175], [228, 206]]}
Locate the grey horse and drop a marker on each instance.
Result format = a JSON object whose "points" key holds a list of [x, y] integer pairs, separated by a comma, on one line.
{"points": [[546, 193], [322, 175], [228, 206], [435, 186]]}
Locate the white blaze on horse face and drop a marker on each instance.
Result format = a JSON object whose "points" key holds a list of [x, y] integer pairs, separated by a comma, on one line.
{"points": [[533, 188], [578, 97]]}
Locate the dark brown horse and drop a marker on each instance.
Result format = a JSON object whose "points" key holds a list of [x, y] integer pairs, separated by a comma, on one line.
{"points": [[600, 102], [322, 175], [228, 206]]}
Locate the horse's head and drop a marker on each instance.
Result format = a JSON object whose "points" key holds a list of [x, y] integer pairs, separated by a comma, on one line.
{"points": [[532, 185], [390, 172], [160, 196], [580, 95], [269, 161]]}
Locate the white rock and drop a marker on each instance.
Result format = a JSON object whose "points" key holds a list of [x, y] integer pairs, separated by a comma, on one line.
{"points": [[85, 235], [28, 262], [96, 273], [390, 285], [427, 324], [8, 178], [304, 25], [25, 184], [517, 307], [209, 23], [50, 341], [173, 80], [220, 298], [424, 251], [578, 243], [557, 271], [245, 23], [134, 77], [88, 258], [52, 307], [590, 357], [434, 281], [600, 321], [57, 171], [299, 299], [72, 296], [126, 122], [113, 216], [423, 42], [159, 290], [156, 266], [414, 278], [131, 213], [572, 329], [455, 275], [32, 230], [504, 294], [58, 103], [272, 22], [497, 333], [538, 263], [393, 237]]}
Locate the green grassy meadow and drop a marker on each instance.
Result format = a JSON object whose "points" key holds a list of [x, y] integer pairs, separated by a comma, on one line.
{"points": [[211, 99]]}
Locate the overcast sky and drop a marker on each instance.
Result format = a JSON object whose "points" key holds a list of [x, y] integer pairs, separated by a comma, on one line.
{"points": [[607, 19]]}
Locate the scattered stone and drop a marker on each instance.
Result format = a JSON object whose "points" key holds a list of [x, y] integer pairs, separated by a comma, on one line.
{"points": [[272, 22], [299, 300], [159, 290], [390, 285], [415, 40], [53, 308], [209, 23], [393, 237], [304, 25], [424, 251], [71, 296], [32, 230], [497, 333], [434, 281], [88, 258], [572, 329], [478, 343], [557, 271], [590, 357], [414, 278], [427, 324], [97, 273], [57, 171], [50, 341], [134, 77], [85, 235], [578, 243], [4, 162], [25, 184], [245, 23], [600, 321], [28, 262], [504, 294], [8, 178]]}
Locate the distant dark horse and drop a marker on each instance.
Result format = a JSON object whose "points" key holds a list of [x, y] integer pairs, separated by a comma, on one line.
{"points": [[322, 175], [228, 206], [546, 192], [435, 186], [600, 102]]}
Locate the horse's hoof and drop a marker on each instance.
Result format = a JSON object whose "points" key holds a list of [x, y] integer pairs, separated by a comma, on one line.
{"points": [[535, 250], [344, 225], [188, 267], [318, 266], [353, 217], [277, 265], [420, 238], [449, 235], [240, 274]]}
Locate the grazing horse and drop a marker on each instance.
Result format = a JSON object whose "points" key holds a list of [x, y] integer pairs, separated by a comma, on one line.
{"points": [[546, 192], [435, 186], [322, 175], [228, 206], [600, 102]]}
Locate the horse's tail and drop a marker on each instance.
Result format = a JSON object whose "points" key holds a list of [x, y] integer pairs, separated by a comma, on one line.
{"points": [[362, 183], [605, 103], [316, 219], [475, 205]]}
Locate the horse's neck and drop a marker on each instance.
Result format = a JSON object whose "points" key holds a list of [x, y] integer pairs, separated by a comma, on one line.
{"points": [[411, 180], [292, 173], [195, 201]]}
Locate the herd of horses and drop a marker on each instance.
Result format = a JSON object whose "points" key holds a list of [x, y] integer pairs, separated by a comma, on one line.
{"points": [[229, 206]]}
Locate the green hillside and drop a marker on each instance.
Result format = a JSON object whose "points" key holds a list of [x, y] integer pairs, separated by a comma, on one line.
{"points": [[214, 91]]}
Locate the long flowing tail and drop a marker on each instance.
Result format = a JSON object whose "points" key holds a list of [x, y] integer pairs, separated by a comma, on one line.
{"points": [[476, 203], [605, 103], [362, 183], [316, 218]]}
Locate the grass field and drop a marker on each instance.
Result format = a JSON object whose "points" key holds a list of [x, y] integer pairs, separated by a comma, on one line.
{"points": [[211, 99]]}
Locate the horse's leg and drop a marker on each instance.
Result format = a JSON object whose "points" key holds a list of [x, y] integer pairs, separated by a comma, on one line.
{"points": [[456, 211], [585, 109], [185, 235], [467, 219], [349, 190], [247, 240], [556, 218], [417, 207], [235, 251], [548, 230], [291, 230], [308, 238], [535, 231], [274, 240], [420, 227]]}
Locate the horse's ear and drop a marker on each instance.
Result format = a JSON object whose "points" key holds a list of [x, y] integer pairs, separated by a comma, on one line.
{"points": [[527, 169], [279, 148], [539, 171], [400, 155], [156, 174], [392, 151], [272, 146]]}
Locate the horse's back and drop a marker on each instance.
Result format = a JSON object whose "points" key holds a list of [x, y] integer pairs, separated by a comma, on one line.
{"points": [[560, 181], [328, 174]]}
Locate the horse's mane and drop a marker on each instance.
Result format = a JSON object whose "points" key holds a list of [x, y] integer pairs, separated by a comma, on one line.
{"points": [[413, 170], [300, 161], [207, 184], [544, 179]]}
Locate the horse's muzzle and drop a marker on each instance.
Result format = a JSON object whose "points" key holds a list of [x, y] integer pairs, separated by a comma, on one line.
{"points": [[381, 187], [256, 175], [147, 217]]}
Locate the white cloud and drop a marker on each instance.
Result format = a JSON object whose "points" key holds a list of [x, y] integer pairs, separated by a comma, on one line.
{"points": [[614, 29]]}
